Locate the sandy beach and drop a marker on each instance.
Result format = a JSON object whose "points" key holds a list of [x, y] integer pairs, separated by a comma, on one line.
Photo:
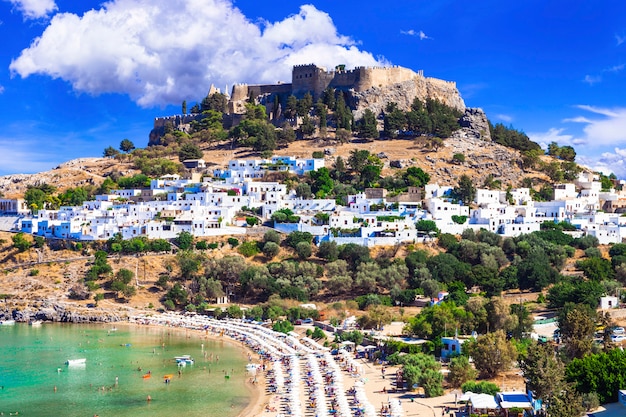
{"points": [[272, 398]]}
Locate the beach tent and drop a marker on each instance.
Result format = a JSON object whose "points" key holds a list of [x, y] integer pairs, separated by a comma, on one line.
{"points": [[514, 400], [466, 396], [483, 401]]}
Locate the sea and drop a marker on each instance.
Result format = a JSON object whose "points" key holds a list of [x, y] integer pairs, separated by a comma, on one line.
{"points": [[35, 380]]}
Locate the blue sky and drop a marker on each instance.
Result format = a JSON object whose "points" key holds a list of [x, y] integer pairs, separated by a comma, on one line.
{"points": [[78, 76]]}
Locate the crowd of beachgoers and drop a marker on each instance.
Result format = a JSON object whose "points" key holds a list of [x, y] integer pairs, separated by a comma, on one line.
{"points": [[302, 376]]}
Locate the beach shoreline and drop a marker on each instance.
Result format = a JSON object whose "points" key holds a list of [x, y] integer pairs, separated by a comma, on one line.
{"points": [[257, 401]]}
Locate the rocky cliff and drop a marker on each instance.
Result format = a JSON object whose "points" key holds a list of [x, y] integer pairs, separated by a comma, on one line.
{"points": [[403, 94]]}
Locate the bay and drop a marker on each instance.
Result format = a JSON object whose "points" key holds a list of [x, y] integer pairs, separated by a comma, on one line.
{"points": [[35, 381]]}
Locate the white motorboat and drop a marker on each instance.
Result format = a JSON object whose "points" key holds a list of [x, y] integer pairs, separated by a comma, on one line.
{"points": [[7, 322], [76, 362], [35, 323], [184, 360]]}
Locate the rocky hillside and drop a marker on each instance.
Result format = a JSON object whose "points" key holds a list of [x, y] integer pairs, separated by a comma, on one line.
{"points": [[74, 173], [482, 158], [403, 94]]}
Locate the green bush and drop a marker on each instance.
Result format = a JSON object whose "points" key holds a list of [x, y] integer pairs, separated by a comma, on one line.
{"points": [[233, 242], [482, 387], [249, 249]]}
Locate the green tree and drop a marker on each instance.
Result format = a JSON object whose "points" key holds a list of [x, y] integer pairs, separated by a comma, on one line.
{"points": [[603, 373], [272, 236], [110, 152], [465, 190], [322, 184], [215, 102], [270, 250], [126, 145], [184, 107], [303, 250], [543, 370], [296, 237], [415, 177], [189, 151], [368, 126], [461, 371], [424, 371], [566, 403], [394, 120], [427, 226], [20, 242], [184, 240], [285, 135], [307, 128], [291, 109], [577, 327], [328, 250], [492, 353]]}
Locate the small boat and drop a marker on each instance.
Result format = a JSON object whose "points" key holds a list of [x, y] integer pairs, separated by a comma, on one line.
{"points": [[184, 360], [252, 367], [35, 323], [146, 376], [168, 376], [7, 322], [113, 329], [75, 362]]}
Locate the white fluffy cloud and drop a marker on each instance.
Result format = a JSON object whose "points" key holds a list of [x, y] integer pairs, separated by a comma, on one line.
{"points": [[34, 9], [601, 127], [163, 51], [607, 127], [607, 162]]}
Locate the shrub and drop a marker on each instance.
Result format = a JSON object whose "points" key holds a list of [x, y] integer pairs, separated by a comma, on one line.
{"points": [[270, 249], [272, 236], [303, 249], [249, 249], [233, 242], [482, 387]]}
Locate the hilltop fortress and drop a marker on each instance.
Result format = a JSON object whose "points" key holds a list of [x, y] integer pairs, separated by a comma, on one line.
{"points": [[363, 87]]}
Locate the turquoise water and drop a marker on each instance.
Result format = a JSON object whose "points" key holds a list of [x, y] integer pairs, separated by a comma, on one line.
{"points": [[32, 364]]}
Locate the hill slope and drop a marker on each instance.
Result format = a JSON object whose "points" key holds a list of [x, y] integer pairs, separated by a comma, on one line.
{"points": [[481, 159]]}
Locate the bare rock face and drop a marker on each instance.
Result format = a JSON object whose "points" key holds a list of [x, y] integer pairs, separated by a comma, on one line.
{"points": [[403, 94], [474, 124]]}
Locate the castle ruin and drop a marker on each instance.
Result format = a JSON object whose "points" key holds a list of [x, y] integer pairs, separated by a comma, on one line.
{"points": [[364, 88], [314, 80]]}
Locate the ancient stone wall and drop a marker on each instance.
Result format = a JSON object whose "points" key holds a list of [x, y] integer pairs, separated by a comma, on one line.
{"points": [[382, 77], [371, 87]]}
